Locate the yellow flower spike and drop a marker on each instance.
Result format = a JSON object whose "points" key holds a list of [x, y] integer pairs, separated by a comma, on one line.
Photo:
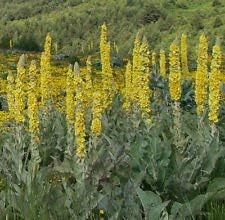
{"points": [[107, 74], [214, 84], [201, 79], [70, 104], [153, 58], [136, 67], [96, 125], [162, 63], [79, 124], [145, 92], [175, 73], [184, 55], [88, 84], [46, 71], [20, 90], [32, 100]]}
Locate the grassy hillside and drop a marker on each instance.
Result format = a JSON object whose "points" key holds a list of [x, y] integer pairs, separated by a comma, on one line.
{"points": [[75, 24]]}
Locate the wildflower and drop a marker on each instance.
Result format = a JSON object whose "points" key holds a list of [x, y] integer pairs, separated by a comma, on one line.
{"points": [[162, 63], [175, 73], [32, 100], [128, 86], [201, 79], [20, 90], [46, 71], [214, 84], [184, 54]]}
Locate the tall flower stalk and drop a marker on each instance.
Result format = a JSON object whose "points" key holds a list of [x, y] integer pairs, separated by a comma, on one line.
{"points": [[20, 91], [70, 109], [46, 71], [175, 91], [107, 73], [79, 124], [214, 84], [33, 115], [184, 54], [162, 63], [201, 79]]}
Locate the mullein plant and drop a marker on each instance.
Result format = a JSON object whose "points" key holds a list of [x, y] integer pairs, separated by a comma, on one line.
{"points": [[88, 87], [184, 55], [79, 123], [201, 79], [128, 87], [154, 62], [20, 91], [46, 71], [107, 73], [214, 85], [136, 68], [145, 92], [33, 116], [70, 109], [162, 63], [175, 90]]}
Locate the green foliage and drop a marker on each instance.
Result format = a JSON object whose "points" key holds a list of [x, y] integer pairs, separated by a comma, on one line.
{"points": [[132, 170], [162, 19]]}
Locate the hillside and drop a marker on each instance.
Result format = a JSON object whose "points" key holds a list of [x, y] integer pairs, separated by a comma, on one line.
{"points": [[74, 24]]}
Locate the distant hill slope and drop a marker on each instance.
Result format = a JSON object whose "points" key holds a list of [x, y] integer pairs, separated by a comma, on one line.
{"points": [[74, 24]]}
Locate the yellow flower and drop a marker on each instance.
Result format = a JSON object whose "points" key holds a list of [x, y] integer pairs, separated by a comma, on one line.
{"points": [[107, 74], [184, 54], [20, 90], [162, 63], [136, 68], [96, 125], [145, 92], [88, 84], [175, 73], [32, 100], [201, 79], [214, 84], [79, 125], [46, 71], [153, 58]]}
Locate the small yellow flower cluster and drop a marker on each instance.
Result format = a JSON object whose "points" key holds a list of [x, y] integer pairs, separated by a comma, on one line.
{"points": [[153, 58], [184, 55], [20, 91], [175, 73], [32, 100], [88, 84], [214, 84], [107, 74], [46, 71], [201, 79], [128, 87], [162, 63], [79, 124], [144, 95], [136, 68]]}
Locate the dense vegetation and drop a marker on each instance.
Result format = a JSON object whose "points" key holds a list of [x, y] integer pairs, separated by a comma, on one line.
{"points": [[74, 24]]}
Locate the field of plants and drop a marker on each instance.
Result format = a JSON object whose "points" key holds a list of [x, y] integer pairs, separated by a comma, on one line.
{"points": [[143, 141]]}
